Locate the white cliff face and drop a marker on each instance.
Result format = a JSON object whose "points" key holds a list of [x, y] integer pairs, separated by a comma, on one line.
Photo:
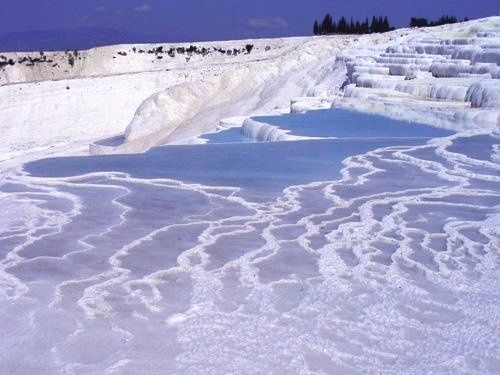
{"points": [[133, 58], [106, 93]]}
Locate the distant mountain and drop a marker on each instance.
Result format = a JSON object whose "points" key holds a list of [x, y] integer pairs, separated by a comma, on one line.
{"points": [[84, 38]]}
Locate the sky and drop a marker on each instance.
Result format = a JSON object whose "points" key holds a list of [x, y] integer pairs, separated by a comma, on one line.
{"points": [[220, 19]]}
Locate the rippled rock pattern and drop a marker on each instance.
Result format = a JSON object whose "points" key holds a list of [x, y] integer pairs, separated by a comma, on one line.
{"points": [[390, 267]]}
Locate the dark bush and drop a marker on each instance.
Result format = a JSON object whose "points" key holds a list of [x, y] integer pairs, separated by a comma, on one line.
{"points": [[443, 20]]}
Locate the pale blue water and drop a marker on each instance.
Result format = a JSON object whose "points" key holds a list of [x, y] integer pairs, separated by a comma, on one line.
{"points": [[261, 169], [341, 123], [338, 123]]}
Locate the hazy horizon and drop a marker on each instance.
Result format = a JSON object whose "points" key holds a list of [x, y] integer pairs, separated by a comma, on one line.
{"points": [[216, 19]]}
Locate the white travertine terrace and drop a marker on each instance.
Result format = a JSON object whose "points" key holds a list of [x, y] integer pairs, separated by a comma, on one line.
{"points": [[454, 69]]}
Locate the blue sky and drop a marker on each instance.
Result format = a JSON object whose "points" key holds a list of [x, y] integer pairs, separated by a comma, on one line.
{"points": [[219, 19]]}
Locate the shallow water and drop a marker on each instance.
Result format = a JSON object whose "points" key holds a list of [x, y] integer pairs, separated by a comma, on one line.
{"points": [[342, 123], [334, 123], [261, 170], [320, 256]]}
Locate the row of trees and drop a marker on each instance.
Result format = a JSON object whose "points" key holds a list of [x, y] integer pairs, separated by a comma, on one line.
{"points": [[443, 20], [342, 26], [377, 25]]}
